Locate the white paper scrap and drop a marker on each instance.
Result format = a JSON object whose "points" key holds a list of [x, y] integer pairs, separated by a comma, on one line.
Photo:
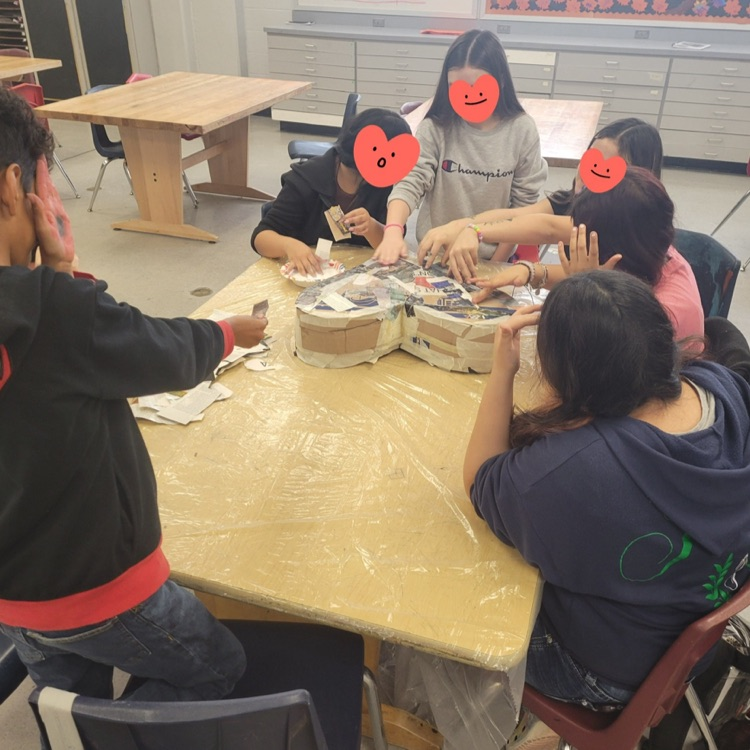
{"points": [[323, 249], [258, 365], [361, 279], [193, 403], [337, 302]]}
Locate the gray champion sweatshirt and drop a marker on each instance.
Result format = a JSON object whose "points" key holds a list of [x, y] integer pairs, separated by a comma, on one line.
{"points": [[463, 171]]}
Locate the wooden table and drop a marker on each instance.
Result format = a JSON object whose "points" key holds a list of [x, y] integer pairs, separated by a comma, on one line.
{"points": [[565, 127], [336, 495], [14, 67], [154, 113]]}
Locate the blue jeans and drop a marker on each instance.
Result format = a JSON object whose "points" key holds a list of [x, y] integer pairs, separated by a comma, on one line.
{"points": [[174, 648], [553, 671]]}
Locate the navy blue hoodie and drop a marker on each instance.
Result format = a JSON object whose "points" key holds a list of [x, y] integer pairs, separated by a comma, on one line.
{"points": [[637, 532], [79, 525]]}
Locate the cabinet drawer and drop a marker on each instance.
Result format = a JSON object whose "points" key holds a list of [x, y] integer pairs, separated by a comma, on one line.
{"points": [[710, 126], [710, 111], [688, 151], [713, 83], [629, 107], [389, 101], [316, 94], [320, 108], [543, 72], [306, 43], [312, 71], [612, 77], [373, 62], [531, 57], [309, 57], [700, 96], [572, 60], [610, 117], [532, 86], [720, 68], [598, 91], [399, 49], [365, 75], [411, 91], [705, 140], [333, 84]]}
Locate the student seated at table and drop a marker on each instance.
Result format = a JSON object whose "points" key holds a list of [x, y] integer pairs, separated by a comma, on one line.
{"points": [[296, 218], [625, 483], [631, 228], [465, 166], [83, 581], [634, 140]]}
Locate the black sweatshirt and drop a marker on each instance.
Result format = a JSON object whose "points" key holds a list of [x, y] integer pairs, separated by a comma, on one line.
{"points": [[79, 524]]}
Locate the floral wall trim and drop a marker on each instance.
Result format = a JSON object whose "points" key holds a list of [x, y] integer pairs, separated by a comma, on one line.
{"points": [[730, 11]]}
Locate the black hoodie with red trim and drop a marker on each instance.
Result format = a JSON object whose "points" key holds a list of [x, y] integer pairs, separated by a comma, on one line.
{"points": [[79, 525]]}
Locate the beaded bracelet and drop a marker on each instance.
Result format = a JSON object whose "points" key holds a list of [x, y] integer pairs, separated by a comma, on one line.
{"points": [[545, 273], [532, 271], [475, 227]]}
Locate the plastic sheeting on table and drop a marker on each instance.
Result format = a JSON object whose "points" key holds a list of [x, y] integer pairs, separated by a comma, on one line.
{"points": [[337, 495]]}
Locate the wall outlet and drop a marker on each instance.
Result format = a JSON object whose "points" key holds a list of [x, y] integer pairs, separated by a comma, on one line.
{"points": [[642, 33], [503, 28], [380, 22]]}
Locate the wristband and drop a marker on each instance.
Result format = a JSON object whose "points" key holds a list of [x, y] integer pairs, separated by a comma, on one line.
{"points": [[393, 224], [475, 227], [544, 277], [532, 271]]}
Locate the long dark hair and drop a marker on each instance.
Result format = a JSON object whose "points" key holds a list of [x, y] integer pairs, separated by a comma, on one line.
{"points": [[637, 142], [605, 346], [23, 139], [391, 123], [633, 218], [482, 50]]}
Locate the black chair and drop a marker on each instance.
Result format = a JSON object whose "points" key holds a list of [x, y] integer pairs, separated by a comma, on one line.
{"points": [[304, 150], [715, 270], [12, 670], [302, 690]]}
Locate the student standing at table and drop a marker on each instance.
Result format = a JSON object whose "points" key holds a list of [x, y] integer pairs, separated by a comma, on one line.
{"points": [[467, 167], [83, 581], [631, 227], [296, 218], [634, 140], [626, 484]]}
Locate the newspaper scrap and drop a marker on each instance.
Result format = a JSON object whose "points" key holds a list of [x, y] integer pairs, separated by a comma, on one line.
{"points": [[175, 408], [335, 218]]}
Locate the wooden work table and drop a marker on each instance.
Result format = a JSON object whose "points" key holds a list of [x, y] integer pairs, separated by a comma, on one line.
{"points": [[14, 67]]}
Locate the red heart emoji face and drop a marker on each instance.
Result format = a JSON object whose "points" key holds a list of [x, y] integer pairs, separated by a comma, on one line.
{"points": [[475, 103], [381, 162], [600, 174]]}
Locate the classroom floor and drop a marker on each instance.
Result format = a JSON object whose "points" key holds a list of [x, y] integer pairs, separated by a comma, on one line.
{"points": [[164, 276]]}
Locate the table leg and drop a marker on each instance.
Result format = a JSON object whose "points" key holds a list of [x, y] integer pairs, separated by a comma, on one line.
{"points": [[155, 162], [228, 169]]}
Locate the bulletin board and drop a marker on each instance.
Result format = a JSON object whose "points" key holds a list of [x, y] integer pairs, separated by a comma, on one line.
{"points": [[427, 8], [726, 11]]}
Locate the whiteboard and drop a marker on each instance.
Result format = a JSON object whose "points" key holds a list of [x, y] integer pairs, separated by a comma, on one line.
{"points": [[425, 8]]}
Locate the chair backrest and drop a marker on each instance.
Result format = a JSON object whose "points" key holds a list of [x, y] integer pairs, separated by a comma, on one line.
{"points": [[135, 77], [658, 696], [350, 110], [103, 144], [33, 93], [283, 721], [715, 270], [26, 77]]}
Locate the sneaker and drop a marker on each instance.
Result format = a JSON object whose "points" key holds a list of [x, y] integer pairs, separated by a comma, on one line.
{"points": [[532, 734]]}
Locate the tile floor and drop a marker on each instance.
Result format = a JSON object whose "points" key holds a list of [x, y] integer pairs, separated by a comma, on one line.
{"points": [[167, 277]]}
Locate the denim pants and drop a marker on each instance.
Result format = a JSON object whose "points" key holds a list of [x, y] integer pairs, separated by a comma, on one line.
{"points": [[173, 647], [553, 671]]}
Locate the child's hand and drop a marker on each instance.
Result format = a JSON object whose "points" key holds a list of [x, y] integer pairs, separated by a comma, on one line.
{"points": [[461, 257], [359, 221], [507, 347], [516, 275], [51, 222], [391, 248], [303, 259], [248, 330], [583, 258]]}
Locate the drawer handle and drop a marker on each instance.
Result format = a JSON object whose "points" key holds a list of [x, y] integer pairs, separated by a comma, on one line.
{"points": [[609, 78], [311, 106], [402, 65], [728, 84], [606, 104], [401, 91], [402, 51], [710, 153], [608, 91], [724, 98], [731, 70], [720, 112], [612, 62], [718, 127], [309, 70], [311, 46], [714, 140], [311, 58], [402, 78], [312, 96]]}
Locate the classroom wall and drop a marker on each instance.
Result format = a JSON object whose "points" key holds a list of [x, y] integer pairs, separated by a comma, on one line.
{"points": [[259, 14]]}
